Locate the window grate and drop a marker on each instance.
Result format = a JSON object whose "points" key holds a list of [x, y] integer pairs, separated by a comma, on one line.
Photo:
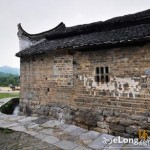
{"points": [[102, 74]]}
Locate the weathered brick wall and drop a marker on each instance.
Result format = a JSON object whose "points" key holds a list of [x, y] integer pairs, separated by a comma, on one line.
{"points": [[62, 84], [47, 81]]}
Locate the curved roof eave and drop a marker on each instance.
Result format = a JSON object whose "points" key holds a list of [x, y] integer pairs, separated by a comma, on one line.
{"points": [[59, 27]]}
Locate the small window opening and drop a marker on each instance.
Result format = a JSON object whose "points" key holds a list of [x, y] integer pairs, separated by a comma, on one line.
{"points": [[97, 70], [107, 78], [97, 79], [106, 70], [102, 74], [102, 70], [102, 79]]}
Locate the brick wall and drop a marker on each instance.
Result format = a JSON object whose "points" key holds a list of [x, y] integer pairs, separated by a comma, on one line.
{"points": [[62, 84]]}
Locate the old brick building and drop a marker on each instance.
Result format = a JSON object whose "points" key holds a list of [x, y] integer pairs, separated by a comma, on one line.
{"points": [[94, 75]]}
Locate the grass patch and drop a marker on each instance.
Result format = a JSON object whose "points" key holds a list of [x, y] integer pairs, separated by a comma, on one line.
{"points": [[6, 95]]}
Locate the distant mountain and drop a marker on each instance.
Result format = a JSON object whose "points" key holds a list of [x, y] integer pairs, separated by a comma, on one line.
{"points": [[7, 69]]}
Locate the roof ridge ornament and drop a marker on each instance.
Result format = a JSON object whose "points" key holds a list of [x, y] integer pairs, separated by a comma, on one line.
{"points": [[22, 32]]}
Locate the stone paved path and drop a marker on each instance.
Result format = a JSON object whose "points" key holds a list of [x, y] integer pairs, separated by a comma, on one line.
{"points": [[62, 136], [12, 140]]}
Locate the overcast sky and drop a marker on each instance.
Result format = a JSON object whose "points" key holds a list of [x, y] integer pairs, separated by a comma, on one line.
{"points": [[41, 15]]}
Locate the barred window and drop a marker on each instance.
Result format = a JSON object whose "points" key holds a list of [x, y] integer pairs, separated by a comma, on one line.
{"points": [[102, 74]]}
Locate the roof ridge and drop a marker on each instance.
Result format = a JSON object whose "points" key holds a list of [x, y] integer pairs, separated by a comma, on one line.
{"points": [[61, 30], [137, 16]]}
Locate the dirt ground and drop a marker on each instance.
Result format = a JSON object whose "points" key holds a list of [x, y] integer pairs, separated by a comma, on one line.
{"points": [[7, 90]]}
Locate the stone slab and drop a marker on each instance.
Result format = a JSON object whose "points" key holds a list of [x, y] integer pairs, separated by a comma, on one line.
{"points": [[18, 128], [48, 131], [134, 147], [40, 135], [50, 139], [100, 141], [5, 117], [33, 126], [81, 148], [78, 132], [33, 133], [89, 136], [27, 119], [27, 124], [51, 124], [41, 120], [36, 128], [17, 118], [66, 145], [115, 146], [63, 126], [70, 128], [8, 125]]}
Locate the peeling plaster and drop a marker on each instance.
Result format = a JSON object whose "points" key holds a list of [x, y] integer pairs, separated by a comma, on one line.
{"points": [[117, 86]]}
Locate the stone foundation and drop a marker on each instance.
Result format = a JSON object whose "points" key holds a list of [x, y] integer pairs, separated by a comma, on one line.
{"points": [[102, 120]]}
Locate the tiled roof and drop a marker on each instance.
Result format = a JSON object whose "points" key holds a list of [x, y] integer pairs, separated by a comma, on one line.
{"points": [[118, 30]]}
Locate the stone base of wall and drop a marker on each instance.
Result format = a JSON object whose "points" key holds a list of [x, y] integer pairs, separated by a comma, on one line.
{"points": [[56, 110], [104, 121], [111, 122]]}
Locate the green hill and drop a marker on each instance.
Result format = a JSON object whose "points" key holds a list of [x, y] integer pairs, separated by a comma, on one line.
{"points": [[6, 79]]}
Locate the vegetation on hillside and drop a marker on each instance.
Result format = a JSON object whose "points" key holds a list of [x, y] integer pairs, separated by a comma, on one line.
{"points": [[7, 79]]}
